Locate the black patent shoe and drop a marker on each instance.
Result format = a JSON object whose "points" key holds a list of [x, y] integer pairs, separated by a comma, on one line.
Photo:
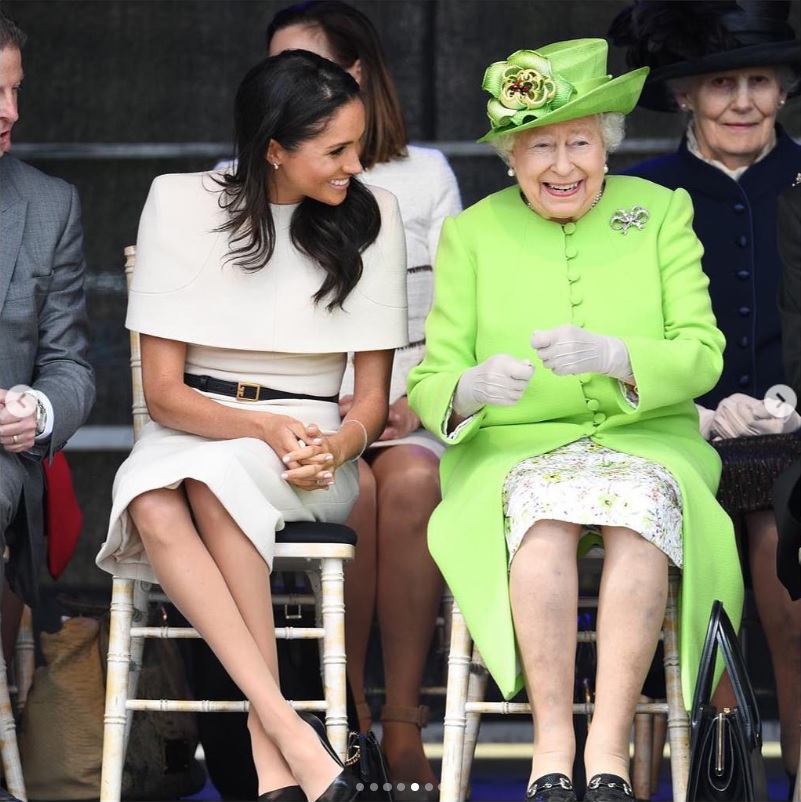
{"points": [[289, 793], [551, 788], [608, 788], [345, 788]]}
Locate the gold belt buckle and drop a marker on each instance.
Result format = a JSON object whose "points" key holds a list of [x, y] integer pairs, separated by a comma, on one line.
{"points": [[241, 387]]}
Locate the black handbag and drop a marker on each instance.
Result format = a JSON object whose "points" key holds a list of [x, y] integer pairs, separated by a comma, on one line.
{"points": [[366, 762], [725, 747]]}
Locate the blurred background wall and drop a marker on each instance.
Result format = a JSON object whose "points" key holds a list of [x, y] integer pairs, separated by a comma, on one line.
{"points": [[119, 91]]}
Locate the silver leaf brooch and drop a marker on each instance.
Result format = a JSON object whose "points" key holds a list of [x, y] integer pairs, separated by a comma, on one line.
{"points": [[623, 220]]}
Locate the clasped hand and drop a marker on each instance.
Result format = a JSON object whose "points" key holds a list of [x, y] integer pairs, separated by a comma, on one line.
{"points": [[500, 380], [310, 457], [17, 421], [741, 415], [567, 350]]}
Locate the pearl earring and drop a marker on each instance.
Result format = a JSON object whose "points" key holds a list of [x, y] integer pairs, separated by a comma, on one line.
{"points": [[275, 165], [683, 106], [511, 172], [781, 103], [606, 169]]}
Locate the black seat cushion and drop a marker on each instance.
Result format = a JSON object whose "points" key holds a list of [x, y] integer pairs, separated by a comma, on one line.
{"points": [[315, 532]]}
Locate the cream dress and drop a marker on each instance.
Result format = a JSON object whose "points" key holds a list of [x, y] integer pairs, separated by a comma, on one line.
{"points": [[260, 327]]}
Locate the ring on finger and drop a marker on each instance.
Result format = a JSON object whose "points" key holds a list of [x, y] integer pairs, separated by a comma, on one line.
{"points": [[14, 438]]}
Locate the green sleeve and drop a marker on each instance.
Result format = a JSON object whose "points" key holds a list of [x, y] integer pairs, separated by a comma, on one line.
{"points": [[450, 337]]}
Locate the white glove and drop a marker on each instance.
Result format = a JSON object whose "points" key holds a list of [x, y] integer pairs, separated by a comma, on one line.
{"points": [[567, 350], [740, 415], [705, 418], [500, 380]]}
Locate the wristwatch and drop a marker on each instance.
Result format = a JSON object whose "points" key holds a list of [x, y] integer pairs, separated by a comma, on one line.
{"points": [[41, 417]]}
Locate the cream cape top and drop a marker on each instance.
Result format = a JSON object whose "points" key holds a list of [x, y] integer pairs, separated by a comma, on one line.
{"points": [[184, 290]]}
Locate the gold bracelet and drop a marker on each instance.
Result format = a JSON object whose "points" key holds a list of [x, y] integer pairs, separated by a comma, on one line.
{"points": [[364, 432]]}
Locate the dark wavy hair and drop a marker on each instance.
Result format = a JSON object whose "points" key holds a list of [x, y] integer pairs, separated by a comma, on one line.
{"points": [[290, 98], [352, 37]]}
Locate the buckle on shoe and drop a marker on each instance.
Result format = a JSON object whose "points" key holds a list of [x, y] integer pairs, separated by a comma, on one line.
{"points": [[243, 387], [595, 783]]}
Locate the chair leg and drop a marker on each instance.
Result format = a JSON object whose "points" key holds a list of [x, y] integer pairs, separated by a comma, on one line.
{"points": [[117, 676], [24, 661], [643, 743], [12, 767], [476, 689], [657, 747], [455, 720], [678, 723], [797, 789], [334, 658]]}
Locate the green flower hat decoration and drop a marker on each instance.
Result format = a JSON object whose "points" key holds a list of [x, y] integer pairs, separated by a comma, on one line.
{"points": [[558, 82], [520, 85]]}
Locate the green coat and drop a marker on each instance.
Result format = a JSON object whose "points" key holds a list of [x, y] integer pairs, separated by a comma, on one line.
{"points": [[503, 272]]}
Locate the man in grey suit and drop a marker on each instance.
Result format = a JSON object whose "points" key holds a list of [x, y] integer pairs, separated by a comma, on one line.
{"points": [[46, 382]]}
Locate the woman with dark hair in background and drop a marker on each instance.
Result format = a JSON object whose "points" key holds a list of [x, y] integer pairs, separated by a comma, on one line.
{"points": [[262, 278], [393, 575], [730, 66]]}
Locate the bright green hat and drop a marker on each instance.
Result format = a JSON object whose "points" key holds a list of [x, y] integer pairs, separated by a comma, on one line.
{"points": [[558, 82]]}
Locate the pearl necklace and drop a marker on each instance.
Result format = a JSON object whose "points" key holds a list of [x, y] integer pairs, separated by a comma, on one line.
{"points": [[592, 205]]}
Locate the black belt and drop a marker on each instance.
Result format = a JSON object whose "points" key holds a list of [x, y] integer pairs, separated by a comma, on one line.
{"points": [[247, 391]]}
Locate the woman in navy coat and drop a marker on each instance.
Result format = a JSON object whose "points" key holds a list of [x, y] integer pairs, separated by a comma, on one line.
{"points": [[731, 67]]}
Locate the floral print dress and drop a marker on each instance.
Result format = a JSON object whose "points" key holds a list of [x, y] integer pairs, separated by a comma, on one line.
{"points": [[588, 484]]}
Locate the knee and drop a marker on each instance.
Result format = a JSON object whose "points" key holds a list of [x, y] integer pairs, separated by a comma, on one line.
{"points": [[415, 486], [155, 517]]}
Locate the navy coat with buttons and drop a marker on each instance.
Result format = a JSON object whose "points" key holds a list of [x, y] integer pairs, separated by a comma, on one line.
{"points": [[736, 222]]}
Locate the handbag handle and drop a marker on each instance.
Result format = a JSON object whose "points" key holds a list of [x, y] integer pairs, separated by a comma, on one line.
{"points": [[720, 633]]}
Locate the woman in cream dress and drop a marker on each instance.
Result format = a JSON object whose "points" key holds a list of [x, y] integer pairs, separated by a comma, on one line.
{"points": [[393, 578], [250, 289]]}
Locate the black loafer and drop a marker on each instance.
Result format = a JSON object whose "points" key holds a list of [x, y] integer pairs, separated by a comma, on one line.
{"points": [[289, 793], [6, 796], [608, 788], [551, 788]]}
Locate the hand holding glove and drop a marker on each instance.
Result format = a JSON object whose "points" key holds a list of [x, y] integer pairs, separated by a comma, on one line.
{"points": [[740, 415], [568, 350], [500, 380], [705, 418]]}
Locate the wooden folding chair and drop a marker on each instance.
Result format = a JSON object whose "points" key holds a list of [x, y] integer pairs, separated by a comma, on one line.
{"points": [[317, 549], [467, 681]]}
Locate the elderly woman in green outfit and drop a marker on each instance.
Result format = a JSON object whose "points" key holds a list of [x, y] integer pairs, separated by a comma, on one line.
{"points": [[570, 332]]}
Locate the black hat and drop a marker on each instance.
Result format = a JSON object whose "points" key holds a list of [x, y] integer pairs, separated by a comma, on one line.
{"points": [[678, 39]]}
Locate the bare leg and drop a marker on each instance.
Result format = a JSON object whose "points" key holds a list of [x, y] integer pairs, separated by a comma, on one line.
{"points": [[409, 594], [543, 587], [236, 557], [195, 583], [631, 609], [781, 621], [360, 589]]}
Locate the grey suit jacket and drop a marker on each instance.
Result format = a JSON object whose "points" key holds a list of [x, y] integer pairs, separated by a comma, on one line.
{"points": [[43, 343]]}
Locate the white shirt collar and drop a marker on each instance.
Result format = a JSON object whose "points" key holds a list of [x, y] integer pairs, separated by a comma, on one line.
{"points": [[692, 146]]}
